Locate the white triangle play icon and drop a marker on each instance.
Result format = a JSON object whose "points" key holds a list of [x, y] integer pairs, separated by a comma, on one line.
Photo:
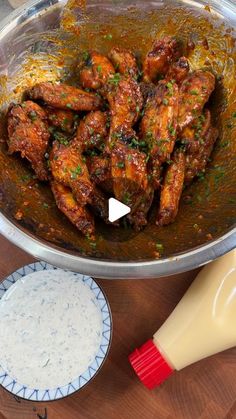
{"points": [[117, 210]]}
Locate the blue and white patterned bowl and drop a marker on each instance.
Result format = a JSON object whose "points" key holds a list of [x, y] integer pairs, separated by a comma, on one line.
{"points": [[78, 383]]}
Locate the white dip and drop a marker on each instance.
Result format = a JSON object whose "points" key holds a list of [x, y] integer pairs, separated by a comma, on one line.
{"points": [[50, 329]]}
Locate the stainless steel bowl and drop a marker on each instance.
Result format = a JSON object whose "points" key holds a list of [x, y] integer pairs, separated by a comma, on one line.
{"points": [[18, 33]]}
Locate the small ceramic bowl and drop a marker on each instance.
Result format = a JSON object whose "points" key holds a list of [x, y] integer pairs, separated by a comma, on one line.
{"points": [[58, 392]]}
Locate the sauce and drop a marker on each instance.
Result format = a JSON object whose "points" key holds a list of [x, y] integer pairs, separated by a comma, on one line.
{"points": [[50, 329], [202, 324]]}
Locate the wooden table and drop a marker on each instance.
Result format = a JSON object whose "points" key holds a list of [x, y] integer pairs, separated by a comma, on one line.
{"points": [[206, 390]]}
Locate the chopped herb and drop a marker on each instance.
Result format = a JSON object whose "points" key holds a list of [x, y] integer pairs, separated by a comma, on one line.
{"points": [[64, 95], [68, 105], [129, 157], [45, 205], [25, 178], [134, 143], [202, 118], [224, 144], [126, 198], [65, 122], [172, 130], [93, 244], [160, 247], [201, 176], [194, 92], [234, 115], [120, 164], [195, 226], [115, 79], [108, 36], [99, 69], [85, 55], [77, 171], [137, 109], [169, 86], [60, 138], [165, 102], [33, 116], [143, 143], [91, 130]]}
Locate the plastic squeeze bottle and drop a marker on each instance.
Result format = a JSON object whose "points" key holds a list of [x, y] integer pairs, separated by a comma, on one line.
{"points": [[202, 324]]}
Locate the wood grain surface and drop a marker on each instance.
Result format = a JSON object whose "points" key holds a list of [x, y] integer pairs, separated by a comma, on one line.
{"points": [[205, 390]]}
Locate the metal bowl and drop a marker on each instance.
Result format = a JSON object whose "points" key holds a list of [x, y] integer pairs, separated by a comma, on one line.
{"points": [[35, 46]]}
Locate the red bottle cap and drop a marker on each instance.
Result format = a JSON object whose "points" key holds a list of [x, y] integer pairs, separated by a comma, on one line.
{"points": [[149, 365]]}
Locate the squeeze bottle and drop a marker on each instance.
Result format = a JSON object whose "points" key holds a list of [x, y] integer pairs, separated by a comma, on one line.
{"points": [[202, 324]]}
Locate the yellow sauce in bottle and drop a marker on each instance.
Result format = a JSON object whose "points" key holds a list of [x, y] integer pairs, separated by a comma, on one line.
{"points": [[203, 323]]}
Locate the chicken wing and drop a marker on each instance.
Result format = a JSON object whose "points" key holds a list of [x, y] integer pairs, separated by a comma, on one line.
{"points": [[125, 100], [96, 72], [159, 126], [63, 96], [124, 62], [129, 174], [172, 189], [196, 160], [28, 134], [59, 118], [159, 59], [67, 167], [92, 131], [178, 71], [100, 204], [99, 168], [148, 90], [194, 93], [127, 164], [77, 214], [194, 134], [138, 218]]}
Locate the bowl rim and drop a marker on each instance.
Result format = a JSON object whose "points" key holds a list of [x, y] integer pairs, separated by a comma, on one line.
{"points": [[123, 270], [177, 263]]}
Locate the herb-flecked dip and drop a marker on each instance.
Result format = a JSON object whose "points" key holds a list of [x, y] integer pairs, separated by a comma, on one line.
{"points": [[50, 329]]}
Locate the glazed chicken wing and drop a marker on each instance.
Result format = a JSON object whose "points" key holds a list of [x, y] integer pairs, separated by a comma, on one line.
{"points": [[63, 96], [129, 173], [59, 118], [67, 167], [178, 71], [125, 100], [28, 134], [100, 204], [159, 59], [92, 131], [159, 126], [99, 168], [193, 135], [196, 160], [128, 165], [124, 62], [96, 72], [194, 93], [172, 189], [77, 214], [138, 218]]}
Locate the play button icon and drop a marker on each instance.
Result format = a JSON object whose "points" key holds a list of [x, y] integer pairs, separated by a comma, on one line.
{"points": [[116, 210]]}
